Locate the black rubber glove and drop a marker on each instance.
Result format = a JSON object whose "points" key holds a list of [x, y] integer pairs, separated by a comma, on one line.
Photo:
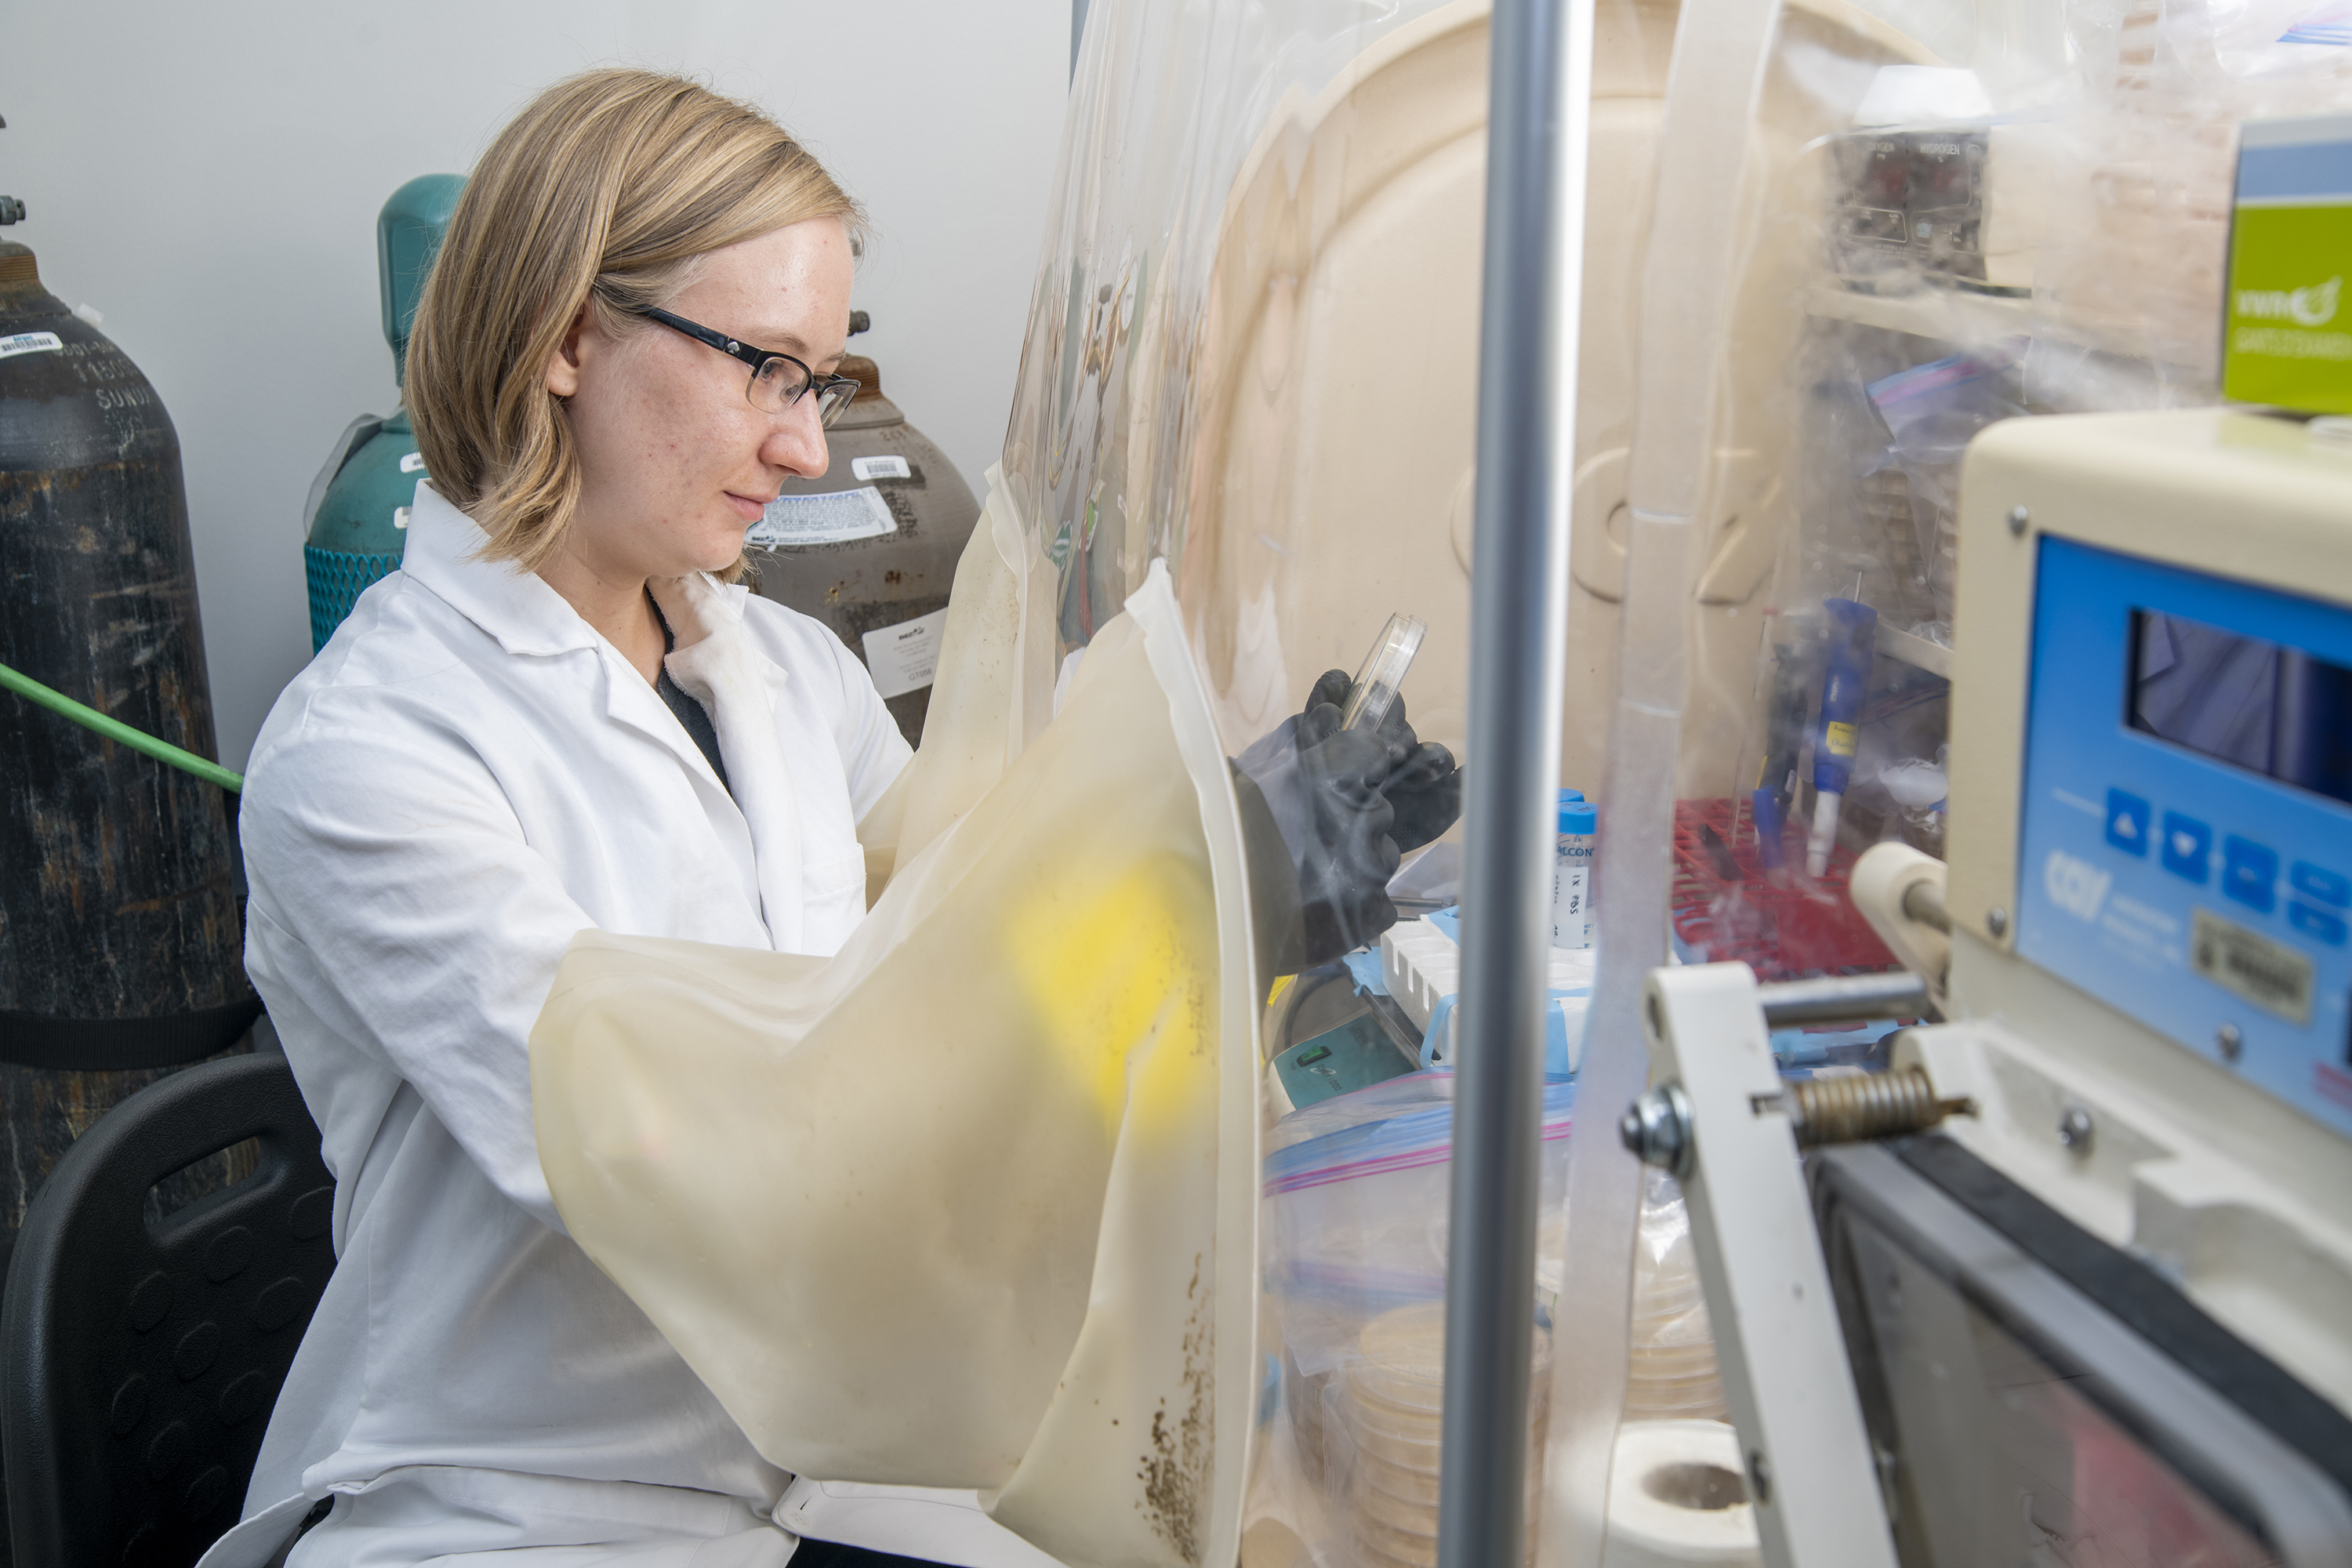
{"points": [[1424, 785], [1344, 870], [1347, 803]]}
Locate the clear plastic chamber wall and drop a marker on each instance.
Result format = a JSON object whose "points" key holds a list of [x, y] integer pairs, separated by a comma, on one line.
{"points": [[1252, 354]]}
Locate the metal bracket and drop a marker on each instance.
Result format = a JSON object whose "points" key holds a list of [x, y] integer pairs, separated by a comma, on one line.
{"points": [[1785, 1374]]}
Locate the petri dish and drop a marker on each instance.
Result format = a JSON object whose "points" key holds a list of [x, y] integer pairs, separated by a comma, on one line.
{"points": [[1375, 688]]}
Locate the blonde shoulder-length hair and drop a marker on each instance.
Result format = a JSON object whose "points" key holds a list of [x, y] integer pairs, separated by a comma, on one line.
{"points": [[605, 192]]}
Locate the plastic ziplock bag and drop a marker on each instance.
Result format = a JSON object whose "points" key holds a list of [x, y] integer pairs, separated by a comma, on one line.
{"points": [[971, 1204], [1358, 1209], [1356, 1197]]}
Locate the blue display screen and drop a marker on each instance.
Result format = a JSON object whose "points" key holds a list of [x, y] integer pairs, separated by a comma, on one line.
{"points": [[2277, 710], [2185, 842]]}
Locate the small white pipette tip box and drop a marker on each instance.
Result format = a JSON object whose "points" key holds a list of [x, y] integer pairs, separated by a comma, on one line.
{"points": [[1421, 966]]}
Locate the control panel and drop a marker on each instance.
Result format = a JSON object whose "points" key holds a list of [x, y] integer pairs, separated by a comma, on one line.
{"points": [[2185, 847]]}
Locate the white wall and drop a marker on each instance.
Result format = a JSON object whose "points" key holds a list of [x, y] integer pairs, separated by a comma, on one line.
{"points": [[208, 177]]}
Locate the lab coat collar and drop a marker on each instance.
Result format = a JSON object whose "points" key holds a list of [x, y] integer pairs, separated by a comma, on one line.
{"points": [[700, 607], [513, 605], [524, 615], [716, 664], [713, 661]]}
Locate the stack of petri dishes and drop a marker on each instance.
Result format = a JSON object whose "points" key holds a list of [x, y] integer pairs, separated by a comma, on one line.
{"points": [[1672, 1375], [1304, 1396], [1397, 1391]]}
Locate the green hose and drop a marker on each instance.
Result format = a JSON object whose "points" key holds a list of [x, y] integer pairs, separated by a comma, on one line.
{"points": [[116, 730]]}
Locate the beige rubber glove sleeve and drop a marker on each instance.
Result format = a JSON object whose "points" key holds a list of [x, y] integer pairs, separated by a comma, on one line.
{"points": [[973, 1202]]}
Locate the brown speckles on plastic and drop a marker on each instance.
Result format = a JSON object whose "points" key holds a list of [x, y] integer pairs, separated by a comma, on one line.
{"points": [[1175, 1469]]}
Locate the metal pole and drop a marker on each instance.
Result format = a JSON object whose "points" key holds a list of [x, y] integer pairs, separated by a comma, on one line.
{"points": [[1540, 70], [1844, 999]]}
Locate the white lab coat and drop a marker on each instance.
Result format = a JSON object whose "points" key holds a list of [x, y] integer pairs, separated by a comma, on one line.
{"points": [[465, 777]]}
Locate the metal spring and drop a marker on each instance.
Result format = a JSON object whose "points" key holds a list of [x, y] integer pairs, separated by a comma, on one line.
{"points": [[1862, 1107]]}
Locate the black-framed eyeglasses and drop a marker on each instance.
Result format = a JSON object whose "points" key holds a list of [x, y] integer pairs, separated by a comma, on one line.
{"points": [[778, 380]]}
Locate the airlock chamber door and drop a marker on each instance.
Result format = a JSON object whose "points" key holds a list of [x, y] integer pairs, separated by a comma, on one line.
{"points": [[2035, 1395]]}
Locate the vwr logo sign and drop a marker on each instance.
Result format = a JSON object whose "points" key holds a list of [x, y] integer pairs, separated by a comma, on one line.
{"points": [[2313, 306], [2076, 886]]}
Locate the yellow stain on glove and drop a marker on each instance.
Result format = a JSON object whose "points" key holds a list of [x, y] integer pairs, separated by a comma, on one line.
{"points": [[1126, 970]]}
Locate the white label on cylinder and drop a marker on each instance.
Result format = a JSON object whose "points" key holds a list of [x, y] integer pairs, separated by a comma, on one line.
{"points": [[831, 518], [30, 344], [1571, 891], [880, 469], [412, 464], [904, 657]]}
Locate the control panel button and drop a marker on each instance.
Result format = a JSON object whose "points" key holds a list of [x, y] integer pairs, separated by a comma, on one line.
{"points": [[2326, 886], [2327, 928], [2188, 846], [2249, 873], [2127, 823]]}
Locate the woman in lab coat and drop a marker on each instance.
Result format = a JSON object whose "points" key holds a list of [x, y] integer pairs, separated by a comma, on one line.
{"points": [[562, 713]]}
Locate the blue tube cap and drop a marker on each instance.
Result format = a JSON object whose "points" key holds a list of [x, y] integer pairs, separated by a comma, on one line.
{"points": [[1577, 816]]}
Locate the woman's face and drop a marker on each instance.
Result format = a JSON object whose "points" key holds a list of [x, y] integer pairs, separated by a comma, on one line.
{"points": [[675, 461]]}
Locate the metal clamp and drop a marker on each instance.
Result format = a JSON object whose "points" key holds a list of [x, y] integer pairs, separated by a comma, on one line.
{"points": [[1858, 1109]]}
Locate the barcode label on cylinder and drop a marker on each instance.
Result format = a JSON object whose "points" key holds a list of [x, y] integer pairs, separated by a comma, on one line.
{"points": [[30, 344], [832, 517], [883, 468]]}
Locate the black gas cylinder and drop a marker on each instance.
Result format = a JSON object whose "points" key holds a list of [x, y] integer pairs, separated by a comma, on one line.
{"points": [[119, 931], [871, 548]]}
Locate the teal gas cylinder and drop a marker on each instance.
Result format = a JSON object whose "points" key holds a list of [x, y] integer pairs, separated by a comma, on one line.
{"points": [[356, 523]]}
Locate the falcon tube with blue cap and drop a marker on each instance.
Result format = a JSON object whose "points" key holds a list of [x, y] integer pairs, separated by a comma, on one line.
{"points": [[1571, 871], [1850, 642]]}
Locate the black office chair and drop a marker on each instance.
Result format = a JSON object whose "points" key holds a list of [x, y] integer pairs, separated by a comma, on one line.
{"points": [[138, 1364]]}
